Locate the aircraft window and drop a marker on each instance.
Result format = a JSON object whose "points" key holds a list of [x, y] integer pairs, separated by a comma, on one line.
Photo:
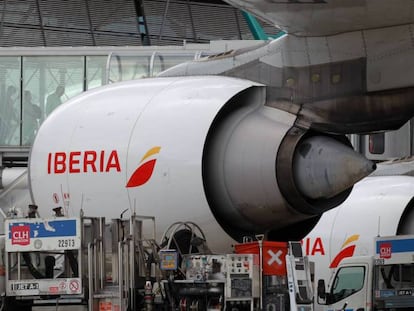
{"points": [[316, 77], [377, 143], [348, 281], [336, 78]]}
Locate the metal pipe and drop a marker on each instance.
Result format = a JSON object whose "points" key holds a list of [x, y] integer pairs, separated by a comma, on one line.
{"points": [[95, 285], [132, 259], [90, 277], [102, 251], [18, 266], [132, 272], [120, 276], [260, 238], [127, 273]]}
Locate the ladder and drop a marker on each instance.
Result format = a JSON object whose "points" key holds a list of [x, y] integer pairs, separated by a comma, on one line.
{"points": [[299, 279]]}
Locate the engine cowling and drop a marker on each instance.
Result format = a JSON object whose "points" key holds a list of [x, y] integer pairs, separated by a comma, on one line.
{"points": [[202, 149], [378, 206]]}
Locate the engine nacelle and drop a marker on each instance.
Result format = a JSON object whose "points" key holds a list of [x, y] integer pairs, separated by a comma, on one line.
{"points": [[377, 206], [202, 149]]}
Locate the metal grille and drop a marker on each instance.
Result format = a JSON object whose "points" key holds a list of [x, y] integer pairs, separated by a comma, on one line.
{"points": [[68, 23], [173, 21], [72, 38], [69, 15], [108, 16], [15, 36], [115, 22], [212, 20]]}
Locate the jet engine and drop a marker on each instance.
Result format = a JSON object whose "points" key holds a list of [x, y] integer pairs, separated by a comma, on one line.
{"points": [[203, 149], [380, 205]]}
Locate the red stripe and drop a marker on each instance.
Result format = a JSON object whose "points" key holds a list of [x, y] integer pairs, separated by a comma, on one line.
{"points": [[142, 174], [346, 252]]}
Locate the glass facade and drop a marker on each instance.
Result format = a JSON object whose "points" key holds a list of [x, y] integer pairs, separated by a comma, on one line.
{"points": [[95, 71], [32, 86], [10, 92], [52, 80], [129, 67]]}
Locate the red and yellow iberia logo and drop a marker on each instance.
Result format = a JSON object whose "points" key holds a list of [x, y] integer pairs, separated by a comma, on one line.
{"points": [[347, 250], [144, 171]]}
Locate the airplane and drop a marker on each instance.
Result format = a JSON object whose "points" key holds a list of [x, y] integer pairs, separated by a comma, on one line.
{"points": [[245, 142]]}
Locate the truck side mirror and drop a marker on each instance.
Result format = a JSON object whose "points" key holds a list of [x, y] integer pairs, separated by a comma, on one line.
{"points": [[321, 289]]}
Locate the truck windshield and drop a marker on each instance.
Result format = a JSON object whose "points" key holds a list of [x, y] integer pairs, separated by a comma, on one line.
{"points": [[398, 276], [348, 280]]}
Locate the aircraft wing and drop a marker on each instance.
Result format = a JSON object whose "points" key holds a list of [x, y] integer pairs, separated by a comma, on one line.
{"points": [[356, 82], [328, 17]]}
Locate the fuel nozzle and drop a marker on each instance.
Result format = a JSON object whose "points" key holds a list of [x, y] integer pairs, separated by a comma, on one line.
{"points": [[32, 211], [58, 211]]}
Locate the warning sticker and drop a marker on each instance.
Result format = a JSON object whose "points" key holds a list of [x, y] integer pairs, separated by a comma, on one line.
{"points": [[105, 306], [74, 286]]}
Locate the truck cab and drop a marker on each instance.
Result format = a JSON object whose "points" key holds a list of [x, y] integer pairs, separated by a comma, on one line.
{"points": [[350, 287], [381, 282]]}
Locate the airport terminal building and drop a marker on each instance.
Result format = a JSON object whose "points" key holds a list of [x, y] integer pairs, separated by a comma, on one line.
{"points": [[81, 44], [54, 50]]}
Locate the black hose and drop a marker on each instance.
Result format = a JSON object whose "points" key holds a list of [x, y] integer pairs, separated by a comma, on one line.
{"points": [[33, 271], [73, 263]]}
